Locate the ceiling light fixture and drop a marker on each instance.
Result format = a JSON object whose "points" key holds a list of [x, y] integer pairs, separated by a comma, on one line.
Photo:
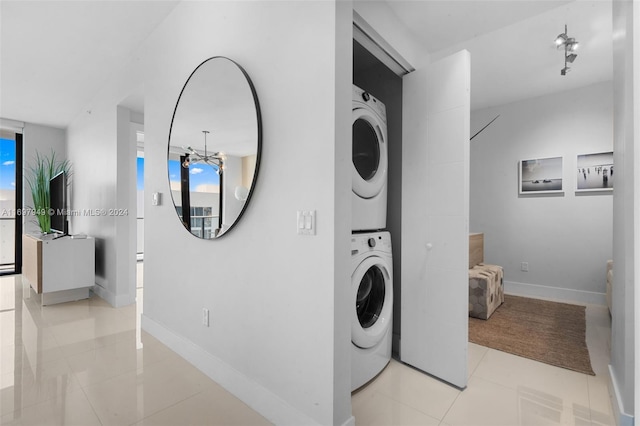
{"points": [[561, 39], [215, 159], [570, 44]]}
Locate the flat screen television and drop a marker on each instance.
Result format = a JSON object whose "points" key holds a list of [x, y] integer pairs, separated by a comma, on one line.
{"points": [[58, 203]]}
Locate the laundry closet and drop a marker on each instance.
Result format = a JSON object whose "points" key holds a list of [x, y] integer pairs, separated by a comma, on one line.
{"points": [[427, 125], [377, 79]]}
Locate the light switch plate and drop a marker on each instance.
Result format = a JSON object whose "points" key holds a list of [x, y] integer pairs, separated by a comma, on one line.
{"points": [[306, 222]]}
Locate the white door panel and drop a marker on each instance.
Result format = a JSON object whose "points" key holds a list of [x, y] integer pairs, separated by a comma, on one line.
{"points": [[442, 125], [445, 89], [447, 240], [435, 219], [444, 195]]}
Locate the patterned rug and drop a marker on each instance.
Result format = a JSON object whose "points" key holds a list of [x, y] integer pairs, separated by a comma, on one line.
{"points": [[549, 332]]}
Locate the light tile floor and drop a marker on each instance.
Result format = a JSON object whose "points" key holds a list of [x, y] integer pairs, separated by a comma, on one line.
{"points": [[86, 363], [503, 389]]}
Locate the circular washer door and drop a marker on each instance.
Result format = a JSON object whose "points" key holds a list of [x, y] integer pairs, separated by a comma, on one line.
{"points": [[369, 154], [372, 293]]}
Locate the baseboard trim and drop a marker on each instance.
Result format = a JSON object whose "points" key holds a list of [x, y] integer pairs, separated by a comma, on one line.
{"points": [[105, 294], [622, 418], [256, 396], [351, 421], [554, 293], [117, 301]]}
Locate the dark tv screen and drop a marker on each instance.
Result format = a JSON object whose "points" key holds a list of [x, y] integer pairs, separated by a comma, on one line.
{"points": [[58, 198]]}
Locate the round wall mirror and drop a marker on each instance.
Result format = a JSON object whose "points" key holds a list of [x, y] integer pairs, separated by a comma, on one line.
{"points": [[214, 147]]}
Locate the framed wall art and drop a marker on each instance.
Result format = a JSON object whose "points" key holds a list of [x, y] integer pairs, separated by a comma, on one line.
{"points": [[595, 172], [541, 176]]}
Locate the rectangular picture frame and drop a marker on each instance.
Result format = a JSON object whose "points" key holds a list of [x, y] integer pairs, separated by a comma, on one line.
{"points": [[595, 172], [541, 176]]}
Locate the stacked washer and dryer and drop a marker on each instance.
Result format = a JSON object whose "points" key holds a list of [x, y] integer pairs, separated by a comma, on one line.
{"points": [[371, 259]]}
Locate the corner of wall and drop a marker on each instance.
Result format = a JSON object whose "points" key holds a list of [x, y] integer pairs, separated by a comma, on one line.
{"points": [[381, 18], [105, 294], [350, 422], [621, 417]]}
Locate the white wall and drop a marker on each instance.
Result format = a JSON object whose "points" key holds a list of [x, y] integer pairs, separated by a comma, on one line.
{"points": [[626, 226], [384, 21], [91, 148], [342, 193], [43, 140], [96, 141], [232, 178], [248, 169], [272, 319], [565, 239], [279, 334], [124, 214]]}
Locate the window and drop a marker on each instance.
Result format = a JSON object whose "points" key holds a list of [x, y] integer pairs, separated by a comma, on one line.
{"points": [[10, 202]]}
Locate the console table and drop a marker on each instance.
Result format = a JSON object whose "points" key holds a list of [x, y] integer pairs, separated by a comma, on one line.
{"points": [[61, 269]]}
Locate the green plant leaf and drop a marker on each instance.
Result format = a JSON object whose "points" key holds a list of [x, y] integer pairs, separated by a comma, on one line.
{"points": [[38, 174]]}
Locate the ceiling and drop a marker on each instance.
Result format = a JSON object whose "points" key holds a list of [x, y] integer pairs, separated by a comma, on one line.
{"points": [[441, 24], [513, 55], [56, 55]]}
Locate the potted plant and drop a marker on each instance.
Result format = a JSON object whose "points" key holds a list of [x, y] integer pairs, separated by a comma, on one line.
{"points": [[38, 176]]}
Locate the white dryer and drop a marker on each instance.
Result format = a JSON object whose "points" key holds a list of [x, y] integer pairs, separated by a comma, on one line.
{"points": [[370, 162], [372, 305]]}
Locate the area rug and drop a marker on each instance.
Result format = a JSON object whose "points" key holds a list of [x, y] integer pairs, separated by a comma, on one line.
{"points": [[549, 332]]}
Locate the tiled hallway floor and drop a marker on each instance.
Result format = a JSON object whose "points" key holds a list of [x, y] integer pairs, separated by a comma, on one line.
{"points": [[503, 389], [86, 363]]}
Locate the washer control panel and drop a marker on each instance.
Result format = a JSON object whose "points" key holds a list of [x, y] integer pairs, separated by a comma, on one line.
{"points": [[371, 241]]}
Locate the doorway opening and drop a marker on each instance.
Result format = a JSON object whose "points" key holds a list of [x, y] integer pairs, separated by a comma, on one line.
{"points": [[139, 140]]}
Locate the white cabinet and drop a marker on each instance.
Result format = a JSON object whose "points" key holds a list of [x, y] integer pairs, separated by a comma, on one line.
{"points": [[61, 269]]}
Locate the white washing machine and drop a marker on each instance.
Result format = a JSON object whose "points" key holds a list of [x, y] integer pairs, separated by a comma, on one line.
{"points": [[372, 305], [370, 162]]}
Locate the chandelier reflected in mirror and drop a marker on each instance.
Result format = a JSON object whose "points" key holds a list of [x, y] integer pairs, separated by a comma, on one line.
{"points": [[215, 159]]}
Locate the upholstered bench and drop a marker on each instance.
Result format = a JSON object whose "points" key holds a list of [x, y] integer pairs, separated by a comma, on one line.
{"points": [[486, 290]]}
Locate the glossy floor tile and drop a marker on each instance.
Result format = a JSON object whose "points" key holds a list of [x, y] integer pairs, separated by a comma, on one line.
{"points": [[503, 389], [87, 363]]}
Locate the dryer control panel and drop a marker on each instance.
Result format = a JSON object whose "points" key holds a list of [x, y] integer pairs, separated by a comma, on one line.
{"points": [[362, 96]]}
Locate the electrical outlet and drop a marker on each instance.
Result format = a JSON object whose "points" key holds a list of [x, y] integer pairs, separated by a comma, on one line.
{"points": [[524, 266], [205, 317]]}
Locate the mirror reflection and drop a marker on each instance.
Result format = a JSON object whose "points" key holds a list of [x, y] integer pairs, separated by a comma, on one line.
{"points": [[214, 147]]}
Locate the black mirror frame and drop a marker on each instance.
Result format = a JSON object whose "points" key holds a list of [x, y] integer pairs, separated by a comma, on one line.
{"points": [[254, 181]]}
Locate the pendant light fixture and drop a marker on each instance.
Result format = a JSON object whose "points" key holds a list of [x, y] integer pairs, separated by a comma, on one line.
{"points": [[570, 45], [215, 159]]}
